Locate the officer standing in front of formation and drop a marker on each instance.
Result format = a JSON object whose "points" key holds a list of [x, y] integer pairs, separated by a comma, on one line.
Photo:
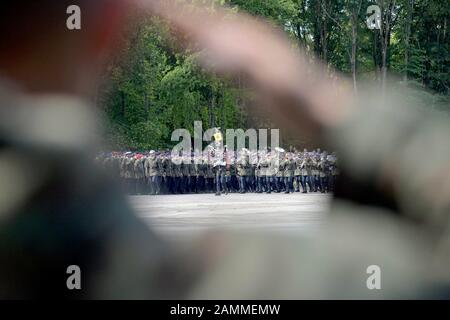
{"points": [[219, 169]]}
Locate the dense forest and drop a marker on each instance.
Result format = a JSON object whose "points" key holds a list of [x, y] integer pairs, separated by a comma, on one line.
{"points": [[152, 86]]}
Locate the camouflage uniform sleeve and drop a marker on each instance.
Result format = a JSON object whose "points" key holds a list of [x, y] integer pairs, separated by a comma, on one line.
{"points": [[387, 138]]}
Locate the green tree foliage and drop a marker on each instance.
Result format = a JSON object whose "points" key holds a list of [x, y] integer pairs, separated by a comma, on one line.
{"points": [[153, 91], [154, 87]]}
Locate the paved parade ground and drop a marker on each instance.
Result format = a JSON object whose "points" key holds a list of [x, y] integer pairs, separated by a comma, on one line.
{"points": [[191, 213]]}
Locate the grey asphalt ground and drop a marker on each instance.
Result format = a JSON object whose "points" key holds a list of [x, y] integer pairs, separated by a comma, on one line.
{"points": [[194, 213]]}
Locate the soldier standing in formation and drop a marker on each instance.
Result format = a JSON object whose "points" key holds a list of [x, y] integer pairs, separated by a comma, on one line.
{"points": [[153, 173], [306, 173], [242, 170], [279, 170], [289, 168], [139, 175]]}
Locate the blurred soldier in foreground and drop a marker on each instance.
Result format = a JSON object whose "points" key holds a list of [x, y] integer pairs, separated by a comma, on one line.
{"points": [[56, 209], [389, 217]]}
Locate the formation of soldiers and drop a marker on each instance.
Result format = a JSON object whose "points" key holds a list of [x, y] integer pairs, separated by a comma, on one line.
{"points": [[160, 172]]}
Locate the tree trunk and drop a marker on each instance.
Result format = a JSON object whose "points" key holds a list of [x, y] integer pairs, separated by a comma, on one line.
{"points": [[375, 53], [354, 23], [385, 32], [407, 36], [212, 106], [300, 36], [353, 59], [324, 33], [383, 68], [302, 43], [318, 29]]}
